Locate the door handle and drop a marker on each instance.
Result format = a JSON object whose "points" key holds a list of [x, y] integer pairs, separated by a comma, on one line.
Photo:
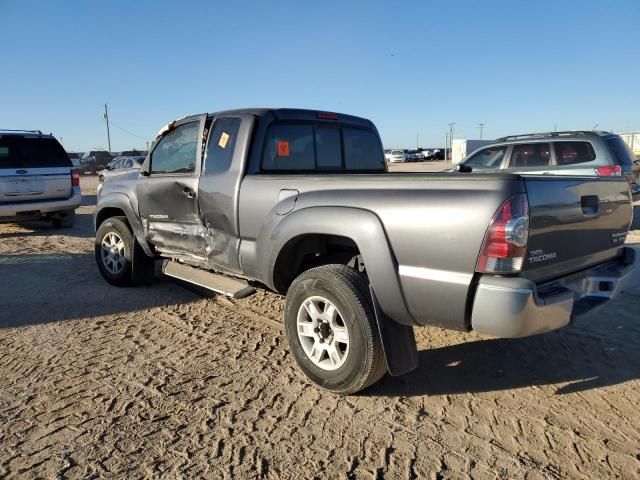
{"points": [[188, 192]]}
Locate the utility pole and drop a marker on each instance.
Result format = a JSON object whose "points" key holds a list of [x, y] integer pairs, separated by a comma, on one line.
{"points": [[451, 129], [417, 141], [446, 140], [481, 125], [106, 117]]}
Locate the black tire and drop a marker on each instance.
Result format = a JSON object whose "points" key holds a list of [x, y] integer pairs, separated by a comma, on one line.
{"points": [[349, 291], [64, 219], [119, 226]]}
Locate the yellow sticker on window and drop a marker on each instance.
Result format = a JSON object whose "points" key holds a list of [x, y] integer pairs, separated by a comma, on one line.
{"points": [[224, 139]]}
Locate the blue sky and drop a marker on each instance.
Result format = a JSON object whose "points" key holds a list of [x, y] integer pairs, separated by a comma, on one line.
{"points": [[411, 67]]}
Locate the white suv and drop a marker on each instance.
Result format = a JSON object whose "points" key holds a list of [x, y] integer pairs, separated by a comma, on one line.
{"points": [[37, 179]]}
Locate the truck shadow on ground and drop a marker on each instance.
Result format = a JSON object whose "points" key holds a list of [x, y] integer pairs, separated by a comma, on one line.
{"points": [[39, 288], [580, 358]]}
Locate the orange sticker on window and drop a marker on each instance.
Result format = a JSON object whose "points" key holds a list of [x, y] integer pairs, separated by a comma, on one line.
{"points": [[283, 149], [224, 138]]}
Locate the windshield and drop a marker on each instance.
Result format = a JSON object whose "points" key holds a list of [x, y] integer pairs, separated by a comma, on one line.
{"points": [[488, 158]]}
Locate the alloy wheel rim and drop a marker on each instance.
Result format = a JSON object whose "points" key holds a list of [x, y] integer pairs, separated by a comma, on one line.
{"points": [[322, 333], [112, 253]]}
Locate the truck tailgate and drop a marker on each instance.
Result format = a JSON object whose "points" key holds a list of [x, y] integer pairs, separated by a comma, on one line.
{"points": [[575, 222]]}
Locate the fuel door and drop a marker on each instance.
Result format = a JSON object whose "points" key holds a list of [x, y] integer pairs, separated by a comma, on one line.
{"points": [[287, 200]]}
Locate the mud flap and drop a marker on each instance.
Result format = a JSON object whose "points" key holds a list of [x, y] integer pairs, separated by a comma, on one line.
{"points": [[142, 266], [398, 342]]}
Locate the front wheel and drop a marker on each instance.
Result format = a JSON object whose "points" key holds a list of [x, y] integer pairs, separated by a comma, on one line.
{"points": [[332, 331], [114, 251]]}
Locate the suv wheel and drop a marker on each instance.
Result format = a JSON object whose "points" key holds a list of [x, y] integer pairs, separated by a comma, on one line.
{"points": [[332, 331]]}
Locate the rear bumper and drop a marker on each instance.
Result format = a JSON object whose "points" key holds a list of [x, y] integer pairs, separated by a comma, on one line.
{"points": [[517, 307], [41, 207]]}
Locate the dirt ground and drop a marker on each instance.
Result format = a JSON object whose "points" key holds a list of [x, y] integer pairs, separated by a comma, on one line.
{"points": [[161, 382]]}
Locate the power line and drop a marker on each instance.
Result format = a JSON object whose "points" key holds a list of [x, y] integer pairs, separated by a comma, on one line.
{"points": [[127, 131]]}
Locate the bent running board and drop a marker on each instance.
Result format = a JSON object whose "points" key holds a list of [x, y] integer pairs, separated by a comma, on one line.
{"points": [[231, 287]]}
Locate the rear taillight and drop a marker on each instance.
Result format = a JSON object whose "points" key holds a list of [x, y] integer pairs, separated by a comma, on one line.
{"points": [[609, 171], [505, 242], [75, 177]]}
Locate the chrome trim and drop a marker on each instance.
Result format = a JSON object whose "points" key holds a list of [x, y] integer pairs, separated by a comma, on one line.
{"points": [[444, 276]]}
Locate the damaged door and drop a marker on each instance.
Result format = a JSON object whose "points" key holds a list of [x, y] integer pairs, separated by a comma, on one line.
{"points": [[219, 189], [167, 193]]}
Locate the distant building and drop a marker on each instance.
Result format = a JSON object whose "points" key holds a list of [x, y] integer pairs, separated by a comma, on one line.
{"points": [[461, 147]]}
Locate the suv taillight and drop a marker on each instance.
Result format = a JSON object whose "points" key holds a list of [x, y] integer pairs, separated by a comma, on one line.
{"points": [[609, 171], [505, 242], [75, 177]]}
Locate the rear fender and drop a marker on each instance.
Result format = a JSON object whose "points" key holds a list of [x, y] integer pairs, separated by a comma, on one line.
{"points": [[361, 226]]}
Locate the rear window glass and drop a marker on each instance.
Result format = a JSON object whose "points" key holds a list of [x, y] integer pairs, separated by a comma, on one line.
{"points": [[328, 149], [290, 147], [621, 150], [530, 155], [362, 150], [24, 152], [222, 143]]}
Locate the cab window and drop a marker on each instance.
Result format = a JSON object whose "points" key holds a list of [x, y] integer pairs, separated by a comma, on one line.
{"points": [[304, 148], [530, 155], [571, 153], [222, 143], [176, 151]]}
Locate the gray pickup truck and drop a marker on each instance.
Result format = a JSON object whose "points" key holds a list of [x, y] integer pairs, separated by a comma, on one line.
{"points": [[300, 201]]}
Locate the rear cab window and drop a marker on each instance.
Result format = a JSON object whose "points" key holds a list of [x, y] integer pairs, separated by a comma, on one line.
{"points": [[32, 152], [299, 147]]}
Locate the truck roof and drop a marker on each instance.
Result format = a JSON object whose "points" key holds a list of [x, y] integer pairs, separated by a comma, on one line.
{"points": [[298, 114]]}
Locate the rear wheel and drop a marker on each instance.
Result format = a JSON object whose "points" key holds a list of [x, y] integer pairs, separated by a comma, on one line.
{"points": [[332, 331]]}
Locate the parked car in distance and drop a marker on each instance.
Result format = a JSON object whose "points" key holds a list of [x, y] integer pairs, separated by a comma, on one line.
{"points": [[414, 156], [437, 154], [118, 166], [95, 160], [303, 203], [75, 159], [592, 153], [396, 156], [37, 179], [132, 153]]}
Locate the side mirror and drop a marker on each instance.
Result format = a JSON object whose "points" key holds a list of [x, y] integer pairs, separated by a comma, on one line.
{"points": [[144, 173], [462, 168]]}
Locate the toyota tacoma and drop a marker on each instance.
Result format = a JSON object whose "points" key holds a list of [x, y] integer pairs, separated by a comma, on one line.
{"points": [[301, 202]]}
